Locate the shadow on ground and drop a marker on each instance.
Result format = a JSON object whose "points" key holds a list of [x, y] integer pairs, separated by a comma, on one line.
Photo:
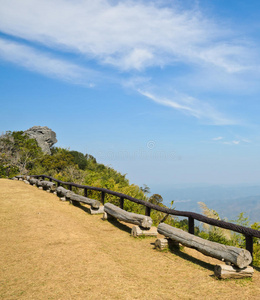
{"points": [[119, 225], [84, 208], [256, 268], [112, 221], [173, 249], [177, 251]]}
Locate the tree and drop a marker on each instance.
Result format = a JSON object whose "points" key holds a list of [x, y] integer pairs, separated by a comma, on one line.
{"points": [[55, 163], [18, 153], [156, 199], [79, 159], [145, 189], [214, 233]]}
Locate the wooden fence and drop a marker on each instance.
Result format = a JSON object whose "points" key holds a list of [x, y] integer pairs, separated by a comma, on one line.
{"points": [[247, 232]]}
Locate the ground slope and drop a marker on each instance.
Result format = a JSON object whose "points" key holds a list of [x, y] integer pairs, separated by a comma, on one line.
{"points": [[50, 249]]}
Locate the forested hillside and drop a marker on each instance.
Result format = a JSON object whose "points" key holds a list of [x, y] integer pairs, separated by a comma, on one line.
{"points": [[22, 155]]}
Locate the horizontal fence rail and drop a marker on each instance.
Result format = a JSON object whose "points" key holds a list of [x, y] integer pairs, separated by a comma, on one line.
{"points": [[248, 232]]}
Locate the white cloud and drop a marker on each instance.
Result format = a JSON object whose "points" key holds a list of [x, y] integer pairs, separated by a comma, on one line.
{"points": [[129, 36], [237, 142], [125, 34], [137, 59], [246, 140], [191, 106], [230, 57], [217, 138], [232, 143], [44, 63]]}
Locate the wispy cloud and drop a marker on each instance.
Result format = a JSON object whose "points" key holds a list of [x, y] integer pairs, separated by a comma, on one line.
{"points": [[232, 143], [129, 37], [191, 106], [44, 63], [240, 141], [246, 140], [126, 34], [217, 138]]}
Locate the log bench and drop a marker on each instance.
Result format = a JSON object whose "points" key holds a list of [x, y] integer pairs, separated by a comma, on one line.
{"points": [[20, 177], [144, 223], [226, 271], [95, 205], [33, 181], [241, 258], [23, 178], [43, 184], [128, 217], [47, 185], [39, 184], [62, 192]]}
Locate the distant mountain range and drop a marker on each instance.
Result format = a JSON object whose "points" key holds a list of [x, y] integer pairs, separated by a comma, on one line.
{"points": [[228, 201]]}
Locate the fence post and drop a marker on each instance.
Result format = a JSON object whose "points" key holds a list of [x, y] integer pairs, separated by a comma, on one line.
{"points": [[58, 184], [85, 192], [103, 197], [147, 211], [191, 225], [70, 187], [249, 243], [122, 202]]}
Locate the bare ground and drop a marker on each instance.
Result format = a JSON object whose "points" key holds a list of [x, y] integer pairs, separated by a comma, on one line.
{"points": [[50, 249]]}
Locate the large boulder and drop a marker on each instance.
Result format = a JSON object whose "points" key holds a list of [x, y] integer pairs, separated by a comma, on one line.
{"points": [[44, 136]]}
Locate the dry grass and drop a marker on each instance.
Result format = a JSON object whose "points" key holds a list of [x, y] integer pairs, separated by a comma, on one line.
{"points": [[52, 250]]}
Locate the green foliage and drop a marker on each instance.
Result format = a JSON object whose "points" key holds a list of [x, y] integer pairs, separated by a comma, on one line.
{"points": [[57, 162], [238, 239], [145, 189], [256, 242], [18, 153], [79, 159], [227, 237], [156, 199], [256, 226], [212, 233], [241, 220], [8, 171], [90, 158]]}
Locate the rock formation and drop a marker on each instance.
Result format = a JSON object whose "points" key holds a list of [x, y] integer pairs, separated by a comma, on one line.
{"points": [[44, 136]]}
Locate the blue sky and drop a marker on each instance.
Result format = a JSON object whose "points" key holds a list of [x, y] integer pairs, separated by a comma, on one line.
{"points": [[165, 91]]}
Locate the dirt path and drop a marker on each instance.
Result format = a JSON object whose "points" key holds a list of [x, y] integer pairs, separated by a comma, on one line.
{"points": [[52, 250]]}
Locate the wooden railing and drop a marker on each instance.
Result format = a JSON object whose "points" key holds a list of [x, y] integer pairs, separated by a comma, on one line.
{"points": [[248, 232]]}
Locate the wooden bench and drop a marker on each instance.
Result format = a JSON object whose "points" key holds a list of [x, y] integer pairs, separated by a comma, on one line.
{"points": [[95, 205], [240, 258], [144, 223]]}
